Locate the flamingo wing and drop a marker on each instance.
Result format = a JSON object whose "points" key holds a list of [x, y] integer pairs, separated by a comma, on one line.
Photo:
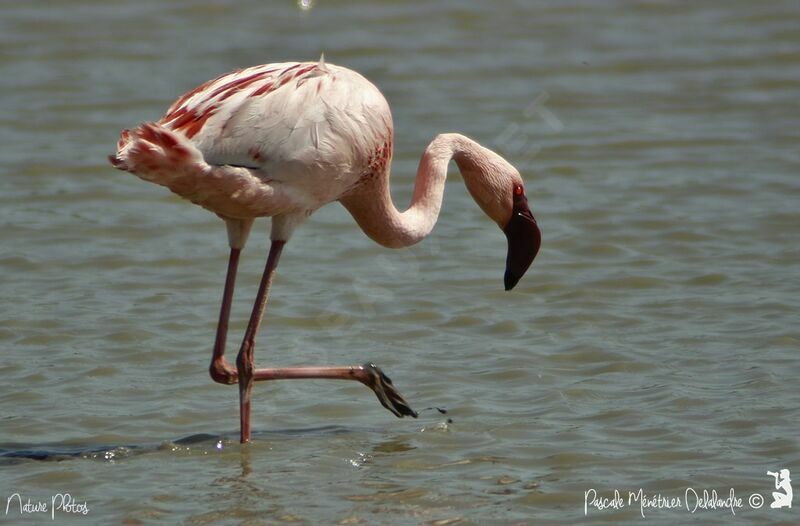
{"points": [[265, 140], [284, 118]]}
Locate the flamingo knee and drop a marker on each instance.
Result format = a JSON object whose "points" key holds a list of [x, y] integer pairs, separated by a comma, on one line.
{"points": [[222, 372]]}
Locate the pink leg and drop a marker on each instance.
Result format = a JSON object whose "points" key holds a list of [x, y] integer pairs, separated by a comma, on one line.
{"points": [[223, 372], [245, 361], [368, 374]]}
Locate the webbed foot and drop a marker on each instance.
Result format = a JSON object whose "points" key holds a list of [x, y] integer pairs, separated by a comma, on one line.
{"points": [[388, 396]]}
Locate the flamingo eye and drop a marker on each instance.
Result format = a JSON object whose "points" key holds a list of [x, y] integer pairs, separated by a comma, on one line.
{"points": [[518, 189]]}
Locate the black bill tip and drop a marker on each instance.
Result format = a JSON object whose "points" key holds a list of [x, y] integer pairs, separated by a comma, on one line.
{"points": [[524, 240], [510, 279]]}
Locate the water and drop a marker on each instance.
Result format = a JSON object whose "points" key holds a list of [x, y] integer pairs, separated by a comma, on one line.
{"points": [[652, 345]]}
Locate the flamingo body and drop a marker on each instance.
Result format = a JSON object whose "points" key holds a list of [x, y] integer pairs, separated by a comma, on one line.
{"points": [[285, 139]]}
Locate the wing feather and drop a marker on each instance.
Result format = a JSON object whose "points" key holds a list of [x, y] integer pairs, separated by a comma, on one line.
{"points": [[286, 120]]}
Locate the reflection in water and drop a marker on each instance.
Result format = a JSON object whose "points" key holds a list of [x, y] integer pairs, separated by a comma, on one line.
{"points": [[201, 443], [397, 445], [247, 462]]}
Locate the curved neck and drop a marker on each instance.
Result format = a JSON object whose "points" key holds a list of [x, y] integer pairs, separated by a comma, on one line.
{"points": [[377, 215]]}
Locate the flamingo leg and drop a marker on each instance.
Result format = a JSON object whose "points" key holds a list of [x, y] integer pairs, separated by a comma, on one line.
{"points": [[221, 371], [245, 361], [368, 374]]}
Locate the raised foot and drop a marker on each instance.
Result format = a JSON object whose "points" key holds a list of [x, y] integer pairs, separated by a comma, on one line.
{"points": [[387, 395]]}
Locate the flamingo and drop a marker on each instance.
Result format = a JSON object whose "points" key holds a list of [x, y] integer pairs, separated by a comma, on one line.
{"points": [[281, 140]]}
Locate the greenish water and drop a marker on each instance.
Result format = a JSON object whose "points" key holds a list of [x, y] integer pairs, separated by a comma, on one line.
{"points": [[654, 343]]}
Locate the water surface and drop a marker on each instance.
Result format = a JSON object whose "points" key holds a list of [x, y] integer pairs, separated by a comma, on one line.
{"points": [[652, 345]]}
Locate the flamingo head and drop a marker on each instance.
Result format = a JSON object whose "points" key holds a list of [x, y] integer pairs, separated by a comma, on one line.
{"points": [[499, 190]]}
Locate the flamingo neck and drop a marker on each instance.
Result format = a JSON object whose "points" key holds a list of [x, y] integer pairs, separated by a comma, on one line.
{"points": [[377, 215]]}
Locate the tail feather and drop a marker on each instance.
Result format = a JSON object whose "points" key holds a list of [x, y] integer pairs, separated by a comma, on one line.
{"points": [[159, 155], [155, 153]]}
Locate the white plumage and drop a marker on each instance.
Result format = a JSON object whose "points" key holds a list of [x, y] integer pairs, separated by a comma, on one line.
{"points": [[272, 140]]}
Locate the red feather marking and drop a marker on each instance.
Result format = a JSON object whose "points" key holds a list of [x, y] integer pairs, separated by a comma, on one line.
{"points": [[236, 85], [379, 158], [290, 68], [116, 163], [266, 88], [146, 132], [177, 105], [176, 114], [124, 138], [284, 76], [240, 87], [254, 153], [184, 117], [199, 121], [305, 70], [155, 135], [173, 116]]}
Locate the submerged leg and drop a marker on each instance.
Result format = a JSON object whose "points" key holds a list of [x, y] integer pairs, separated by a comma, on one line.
{"points": [[245, 360]]}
